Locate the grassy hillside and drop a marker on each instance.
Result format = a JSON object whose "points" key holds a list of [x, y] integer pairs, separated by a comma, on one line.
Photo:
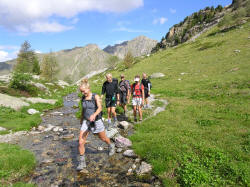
{"points": [[203, 137]]}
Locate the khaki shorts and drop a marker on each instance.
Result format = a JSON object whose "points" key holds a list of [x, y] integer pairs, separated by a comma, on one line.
{"points": [[97, 127]]}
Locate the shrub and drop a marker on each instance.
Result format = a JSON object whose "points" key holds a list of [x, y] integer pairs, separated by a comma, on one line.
{"points": [[20, 81]]}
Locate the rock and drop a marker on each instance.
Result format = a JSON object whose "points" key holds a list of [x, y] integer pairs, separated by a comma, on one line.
{"points": [[100, 148], [40, 100], [137, 160], [32, 111], [157, 75], [57, 114], [68, 136], [130, 171], [60, 129], [36, 141], [2, 129], [129, 153], [179, 79], [49, 128], [111, 133], [5, 78], [56, 138], [183, 73], [119, 150], [84, 171], [40, 128], [34, 132], [37, 77], [56, 129], [40, 86], [47, 161], [124, 124], [12, 102], [144, 168], [122, 142], [133, 166], [237, 51], [248, 37], [62, 83]]}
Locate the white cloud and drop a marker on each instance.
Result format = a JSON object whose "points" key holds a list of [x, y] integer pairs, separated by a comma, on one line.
{"points": [[37, 51], [161, 20], [26, 16], [4, 56], [9, 47], [172, 11]]}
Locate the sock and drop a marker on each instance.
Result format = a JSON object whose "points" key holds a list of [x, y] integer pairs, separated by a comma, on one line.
{"points": [[82, 157], [115, 118]]}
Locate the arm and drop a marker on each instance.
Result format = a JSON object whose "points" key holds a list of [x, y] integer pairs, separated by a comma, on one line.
{"points": [[99, 108], [143, 96], [103, 90]]}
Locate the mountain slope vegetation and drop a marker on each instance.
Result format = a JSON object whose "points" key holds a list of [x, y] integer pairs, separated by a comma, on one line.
{"points": [[203, 136]]}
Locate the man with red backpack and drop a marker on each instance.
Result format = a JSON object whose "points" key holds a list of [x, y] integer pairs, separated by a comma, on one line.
{"points": [[124, 91], [137, 90]]}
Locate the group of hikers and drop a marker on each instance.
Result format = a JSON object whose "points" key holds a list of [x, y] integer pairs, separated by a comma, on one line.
{"points": [[115, 94]]}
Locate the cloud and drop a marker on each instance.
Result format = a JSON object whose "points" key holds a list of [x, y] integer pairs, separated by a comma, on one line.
{"points": [[172, 11], [161, 20], [9, 47], [4, 56], [26, 16]]}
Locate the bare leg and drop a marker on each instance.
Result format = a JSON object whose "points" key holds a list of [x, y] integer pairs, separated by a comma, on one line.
{"points": [[140, 112], [113, 112], [82, 140], [103, 137], [109, 113], [134, 110]]}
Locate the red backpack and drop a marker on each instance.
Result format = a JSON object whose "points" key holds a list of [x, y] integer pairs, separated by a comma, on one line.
{"points": [[134, 90]]}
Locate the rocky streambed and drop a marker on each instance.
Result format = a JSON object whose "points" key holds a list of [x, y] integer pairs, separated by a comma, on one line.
{"points": [[55, 146]]}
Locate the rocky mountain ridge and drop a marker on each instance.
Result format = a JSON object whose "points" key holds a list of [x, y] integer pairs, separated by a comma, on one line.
{"points": [[139, 46]]}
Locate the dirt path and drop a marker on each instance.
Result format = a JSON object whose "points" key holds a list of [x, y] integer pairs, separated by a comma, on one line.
{"points": [[57, 154]]}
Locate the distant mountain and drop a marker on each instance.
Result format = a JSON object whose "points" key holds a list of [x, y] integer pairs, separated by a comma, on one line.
{"points": [[139, 46]]}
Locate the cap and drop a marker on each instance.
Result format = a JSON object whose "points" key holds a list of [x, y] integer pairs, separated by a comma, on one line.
{"points": [[136, 79]]}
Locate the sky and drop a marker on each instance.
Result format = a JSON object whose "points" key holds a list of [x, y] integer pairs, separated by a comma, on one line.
{"points": [[53, 25]]}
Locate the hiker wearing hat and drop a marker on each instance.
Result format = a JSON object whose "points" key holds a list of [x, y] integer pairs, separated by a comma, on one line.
{"points": [[91, 121], [110, 88], [147, 87], [137, 90], [124, 91]]}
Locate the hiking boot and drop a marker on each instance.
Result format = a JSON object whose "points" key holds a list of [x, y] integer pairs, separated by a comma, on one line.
{"points": [[82, 163], [111, 149], [140, 120], [135, 119]]}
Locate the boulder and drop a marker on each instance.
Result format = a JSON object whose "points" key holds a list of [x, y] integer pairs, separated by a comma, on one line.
{"points": [[32, 111], [49, 128], [129, 153], [56, 129], [111, 133], [122, 142], [119, 150], [40, 86], [5, 78], [2, 129], [124, 124], [39, 100], [157, 75], [144, 168], [12, 102], [40, 128], [62, 83], [68, 136]]}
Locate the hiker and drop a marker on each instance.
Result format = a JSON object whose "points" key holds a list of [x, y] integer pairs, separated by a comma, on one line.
{"points": [[110, 88], [137, 89], [91, 121], [124, 91], [147, 87]]}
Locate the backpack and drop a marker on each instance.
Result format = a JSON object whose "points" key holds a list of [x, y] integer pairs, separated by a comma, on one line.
{"points": [[99, 116], [124, 86], [133, 89]]}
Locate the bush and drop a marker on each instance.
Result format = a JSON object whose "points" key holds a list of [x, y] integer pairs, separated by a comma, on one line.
{"points": [[20, 81]]}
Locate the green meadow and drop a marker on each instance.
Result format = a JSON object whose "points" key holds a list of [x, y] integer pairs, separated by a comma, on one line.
{"points": [[203, 137]]}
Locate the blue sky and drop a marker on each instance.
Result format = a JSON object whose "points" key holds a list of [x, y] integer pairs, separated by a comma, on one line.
{"points": [[63, 24]]}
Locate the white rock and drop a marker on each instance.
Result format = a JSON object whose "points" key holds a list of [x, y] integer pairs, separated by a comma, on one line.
{"points": [[37, 77], [12, 102], [237, 51], [119, 150], [60, 129], [99, 148], [179, 79], [62, 83], [183, 73], [124, 124], [111, 133], [56, 129], [40, 100], [144, 169], [49, 128], [40, 128], [133, 166], [130, 171], [122, 142], [157, 75], [32, 111], [57, 113], [129, 153], [137, 160], [2, 129]]}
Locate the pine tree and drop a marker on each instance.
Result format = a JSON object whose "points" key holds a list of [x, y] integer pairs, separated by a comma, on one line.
{"points": [[49, 67], [128, 60]]}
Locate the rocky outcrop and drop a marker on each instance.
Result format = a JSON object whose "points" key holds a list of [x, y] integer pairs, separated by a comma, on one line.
{"points": [[139, 46], [190, 27]]}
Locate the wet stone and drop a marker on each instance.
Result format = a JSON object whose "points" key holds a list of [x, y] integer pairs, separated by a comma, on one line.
{"points": [[68, 136], [129, 153]]}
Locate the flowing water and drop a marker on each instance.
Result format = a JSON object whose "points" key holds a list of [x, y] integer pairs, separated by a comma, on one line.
{"points": [[57, 155]]}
